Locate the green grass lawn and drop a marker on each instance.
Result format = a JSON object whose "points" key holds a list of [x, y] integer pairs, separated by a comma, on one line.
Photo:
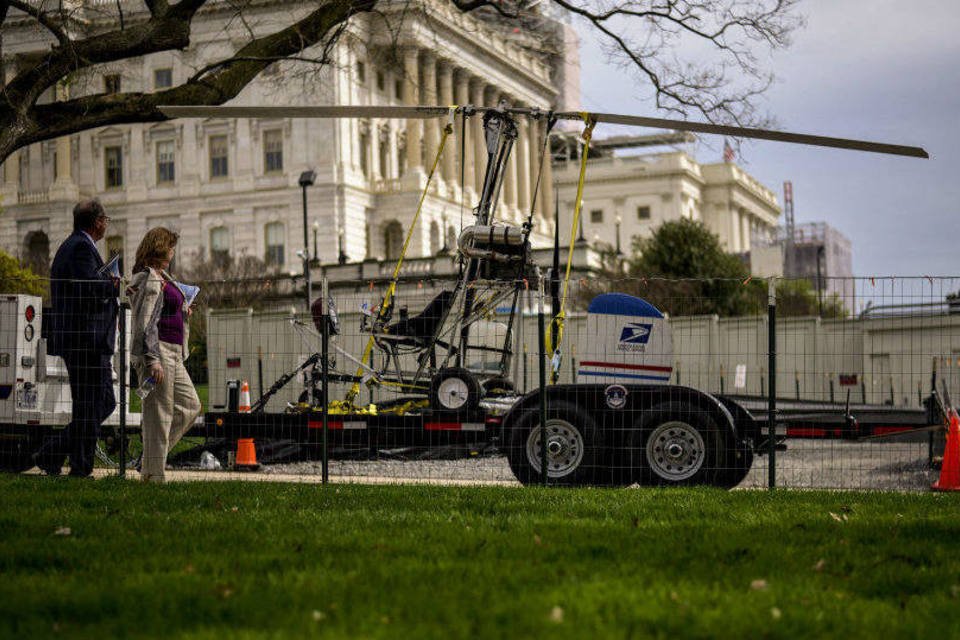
{"points": [[217, 559]]}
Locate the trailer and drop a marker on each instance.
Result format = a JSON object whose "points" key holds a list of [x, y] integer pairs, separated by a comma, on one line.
{"points": [[35, 390]]}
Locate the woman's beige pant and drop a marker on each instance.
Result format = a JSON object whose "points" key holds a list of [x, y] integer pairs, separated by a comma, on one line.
{"points": [[168, 412]]}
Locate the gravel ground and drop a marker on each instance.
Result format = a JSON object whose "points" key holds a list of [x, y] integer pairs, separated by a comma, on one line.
{"points": [[826, 464]]}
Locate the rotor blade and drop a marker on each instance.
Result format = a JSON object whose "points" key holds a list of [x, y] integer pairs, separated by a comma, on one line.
{"points": [[743, 132], [344, 111]]}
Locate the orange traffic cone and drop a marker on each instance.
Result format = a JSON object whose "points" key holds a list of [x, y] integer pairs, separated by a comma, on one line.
{"points": [[950, 469], [244, 398], [246, 455]]}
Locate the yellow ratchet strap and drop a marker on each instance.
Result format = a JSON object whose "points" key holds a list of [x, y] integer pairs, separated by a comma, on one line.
{"points": [[555, 331], [392, 289]]}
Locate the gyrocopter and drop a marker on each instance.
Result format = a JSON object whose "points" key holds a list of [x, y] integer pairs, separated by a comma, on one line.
{"points": [[595, 430]]}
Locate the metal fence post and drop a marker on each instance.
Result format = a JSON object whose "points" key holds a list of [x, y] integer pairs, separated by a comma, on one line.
{"points": [[324, 374], [542, 334], [772, 373], [122, 322]]}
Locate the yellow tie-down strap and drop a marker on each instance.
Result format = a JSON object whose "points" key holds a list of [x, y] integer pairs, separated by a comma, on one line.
{"points": [[554, 336], [392, 289]]}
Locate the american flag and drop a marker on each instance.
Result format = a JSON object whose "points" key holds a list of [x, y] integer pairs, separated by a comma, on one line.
{"points": [[728, 153]]}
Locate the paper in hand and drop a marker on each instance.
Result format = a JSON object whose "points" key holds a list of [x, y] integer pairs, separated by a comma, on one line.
{"points": [[190, 292], [112, 268]]}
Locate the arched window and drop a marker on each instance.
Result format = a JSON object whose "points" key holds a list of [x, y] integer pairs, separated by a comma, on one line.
{"points": [[434, 238], [220, 245], [274, 241], [37, 252], [392, 240]]}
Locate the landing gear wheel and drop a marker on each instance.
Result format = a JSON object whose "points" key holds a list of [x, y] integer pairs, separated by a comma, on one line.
{"points": [[573, 446], [677, 444], [454, 390], [497, 387]]}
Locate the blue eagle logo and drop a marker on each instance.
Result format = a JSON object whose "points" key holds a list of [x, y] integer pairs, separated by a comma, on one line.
{"points": [[635, 333]]}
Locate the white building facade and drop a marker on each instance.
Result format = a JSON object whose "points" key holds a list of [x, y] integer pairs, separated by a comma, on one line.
{"points": [[632, 195], [232, 185]]}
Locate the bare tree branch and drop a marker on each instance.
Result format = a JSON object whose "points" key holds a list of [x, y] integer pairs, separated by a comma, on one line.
{"points": [[41, 16]]}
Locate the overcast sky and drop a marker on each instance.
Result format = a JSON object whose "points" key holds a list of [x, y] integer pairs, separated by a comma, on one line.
{"points": [[879, 70]]}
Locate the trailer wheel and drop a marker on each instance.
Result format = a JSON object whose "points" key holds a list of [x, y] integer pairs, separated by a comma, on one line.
{"points": [[454, 390], [740, 460], [573, 446], [497, 387], [676, 444]]}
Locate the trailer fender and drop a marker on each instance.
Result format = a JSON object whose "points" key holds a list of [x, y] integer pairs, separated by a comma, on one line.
{"points": [[615, 419]]}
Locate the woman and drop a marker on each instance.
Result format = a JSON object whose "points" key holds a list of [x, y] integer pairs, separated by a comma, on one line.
{"points": [[160, 337]]}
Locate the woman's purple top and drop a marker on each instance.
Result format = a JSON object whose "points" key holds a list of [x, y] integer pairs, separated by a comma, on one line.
{"points": [[170, 325]]}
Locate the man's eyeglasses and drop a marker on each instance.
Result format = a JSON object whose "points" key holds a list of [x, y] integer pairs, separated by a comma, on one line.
{"points": [[105, 218]]}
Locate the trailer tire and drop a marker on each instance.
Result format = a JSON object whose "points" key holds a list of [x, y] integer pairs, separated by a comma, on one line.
{"points": [[574, 446], [740, 461], [675, 444], [454, 391]]}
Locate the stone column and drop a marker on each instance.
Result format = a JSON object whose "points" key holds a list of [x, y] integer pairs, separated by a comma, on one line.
{"points": [[463, 98], [63, 187], [428, 96], [477, 87], [449, 159], [523, 151], [545, 200], [11, 183], [510, 179], [411, 79]]}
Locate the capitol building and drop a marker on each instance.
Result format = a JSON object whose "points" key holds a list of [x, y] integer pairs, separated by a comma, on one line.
{"points": [[233, 186]]}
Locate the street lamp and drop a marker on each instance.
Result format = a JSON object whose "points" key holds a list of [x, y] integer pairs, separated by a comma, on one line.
{"points": [[316, 254], [307, 178]]}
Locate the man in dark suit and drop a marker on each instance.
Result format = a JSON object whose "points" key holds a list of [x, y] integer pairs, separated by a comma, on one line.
{"points": [[83, 329]]}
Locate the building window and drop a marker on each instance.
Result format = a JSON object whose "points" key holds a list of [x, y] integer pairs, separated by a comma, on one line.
{"points": [[434, 238], [272, 151], [361, 72], [37, 253], [381, 81], [220, 245], [162, 78], [365, 153], [275, 244], [596, 216], [115, 248], [398, 89], [113, 167], [384, 155], [166, 171], [111, 83], [218, 157], [392, 240], [643, 213]]}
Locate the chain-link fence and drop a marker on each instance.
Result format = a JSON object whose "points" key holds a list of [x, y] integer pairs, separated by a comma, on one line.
{"points": [[646, 381]]}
